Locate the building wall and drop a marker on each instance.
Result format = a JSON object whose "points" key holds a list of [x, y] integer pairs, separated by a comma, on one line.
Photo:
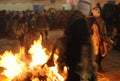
{"points": [[28, 4]]}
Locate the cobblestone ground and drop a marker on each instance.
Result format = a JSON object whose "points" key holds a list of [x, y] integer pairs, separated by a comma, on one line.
{"points": [[111, 63]]}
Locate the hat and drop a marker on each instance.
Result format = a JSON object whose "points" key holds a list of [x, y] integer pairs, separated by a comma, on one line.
{"points": [[84, 6]]}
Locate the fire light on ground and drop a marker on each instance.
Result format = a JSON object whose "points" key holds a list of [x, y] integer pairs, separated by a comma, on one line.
{"points": [[16, 67], [102, 77]]}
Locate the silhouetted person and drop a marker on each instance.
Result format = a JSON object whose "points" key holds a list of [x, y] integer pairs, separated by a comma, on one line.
{"points": [[79, 50], [59, 48]]}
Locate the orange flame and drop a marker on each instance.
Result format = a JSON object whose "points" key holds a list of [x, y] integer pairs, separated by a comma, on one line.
{"points": [[16, 67], [12, 64], [38, 54]]}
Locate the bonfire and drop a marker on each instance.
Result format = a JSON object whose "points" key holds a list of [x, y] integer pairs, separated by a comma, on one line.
{"points": [[22, 67], [19, 67]]}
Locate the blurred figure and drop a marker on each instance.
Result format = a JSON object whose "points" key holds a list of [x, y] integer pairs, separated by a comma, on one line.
{"points": [[79, 50], [75, 50], [59, 49], [78, 47], [100, 38], [108, 14]]}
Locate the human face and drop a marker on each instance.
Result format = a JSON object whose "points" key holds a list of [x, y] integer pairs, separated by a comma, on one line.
{"points": [[96, 12]]}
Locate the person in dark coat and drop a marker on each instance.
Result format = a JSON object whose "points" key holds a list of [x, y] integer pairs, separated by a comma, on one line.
{"points": [[79, 49]]}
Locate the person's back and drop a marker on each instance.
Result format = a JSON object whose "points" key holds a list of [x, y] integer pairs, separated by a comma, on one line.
{"points": [[79, 53]]}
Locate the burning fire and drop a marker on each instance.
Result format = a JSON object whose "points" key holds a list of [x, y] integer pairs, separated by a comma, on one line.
{"points": [[12, 64], [16, 67], [39, 57]]}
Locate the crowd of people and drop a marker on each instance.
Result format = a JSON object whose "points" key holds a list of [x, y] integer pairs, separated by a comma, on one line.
{"points": [[15, 23], [22, 25], [10, 21]]}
